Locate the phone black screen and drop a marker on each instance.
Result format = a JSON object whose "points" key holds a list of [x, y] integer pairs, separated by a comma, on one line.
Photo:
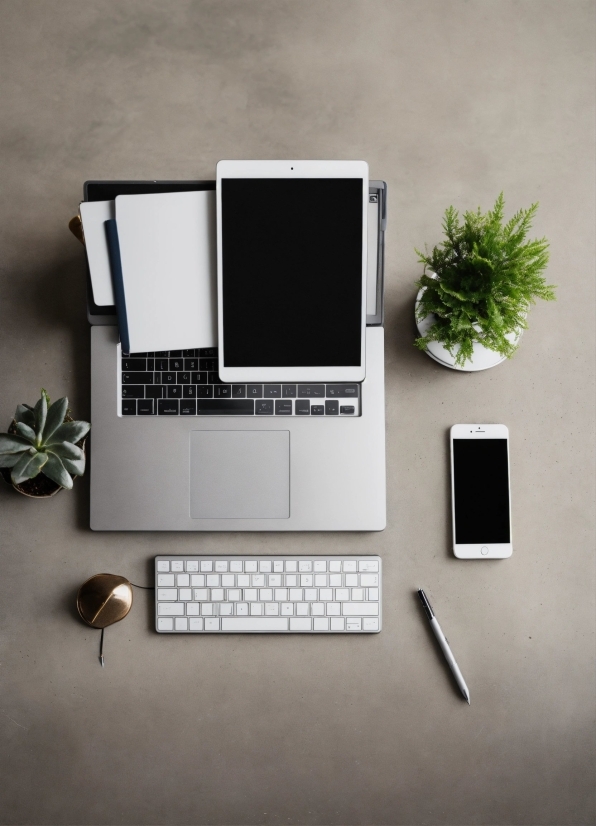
{"points": [[481, 490], [292, 272]]}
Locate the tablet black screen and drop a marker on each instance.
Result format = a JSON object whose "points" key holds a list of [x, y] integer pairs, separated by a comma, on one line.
{"points": [[292, 272]]}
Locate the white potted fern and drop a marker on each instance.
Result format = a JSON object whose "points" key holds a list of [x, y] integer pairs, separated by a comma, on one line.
{"points": [[43, 449]]}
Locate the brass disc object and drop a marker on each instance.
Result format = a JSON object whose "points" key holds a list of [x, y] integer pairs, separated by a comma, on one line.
{"points": [[104, 599]]}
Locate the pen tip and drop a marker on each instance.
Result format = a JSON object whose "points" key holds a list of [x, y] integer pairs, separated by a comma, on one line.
{"points": [[469, 701], [101, 661]]}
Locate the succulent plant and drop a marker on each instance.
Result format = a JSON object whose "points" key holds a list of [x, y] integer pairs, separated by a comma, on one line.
{"points": [[44, 441]]}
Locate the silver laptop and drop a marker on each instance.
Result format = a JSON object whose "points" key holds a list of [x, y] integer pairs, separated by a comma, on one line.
{"points": [[173, 448]]}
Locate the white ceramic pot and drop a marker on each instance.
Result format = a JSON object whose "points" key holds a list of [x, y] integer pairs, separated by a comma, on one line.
{"points": [[482, 357]]}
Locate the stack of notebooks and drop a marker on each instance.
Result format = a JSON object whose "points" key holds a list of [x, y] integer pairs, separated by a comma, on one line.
{"points": [[154, 257]]}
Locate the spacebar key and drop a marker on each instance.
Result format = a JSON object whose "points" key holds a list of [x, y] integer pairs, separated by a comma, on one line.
{"points": [[254, 624], [229, 407]]}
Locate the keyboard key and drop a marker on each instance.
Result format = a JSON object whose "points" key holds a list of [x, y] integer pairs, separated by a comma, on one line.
{"points": [[283, 408], [188, 407], [335, 580], [358, 594], [360, 609], [165, 580], [354, 625], [333, 609], [129, 407], [336, 624], [317, 609], [264, 408], [300, 623], [320, 624], [272, 391], [191, 364], [208, 352], [271, 609], [347, 409], [138, 355], [192, 566], [183, 580], [229, 407], [236, 566], [177, 565], [176, 364], [287, 609], [175, 353], [369, 580], [212, 624], [185, 595], [163, 565], [207, 609], [196, 624], [238, 391], [278, 566], [198, 378], [161, 354], [254, 623], [167, 407], [302, 408], [265, 566], [288, 391], [189, 391], [183, 378], [133, 391], [317, 410], [168, 378], [150, 364], [256, 609], [154, 391], [145, 407], [254, 391], [342, 390], [351, 579], [208, 364], [349, 565], [370, 624], [162, 364], [134, 364], [137, 378], [175, 391], [304, 566], [332, 407], [222, 391], [213, 378], [170, 609], [204, 391], [335, 565], [307, 391], [165, 624], [221, 566], [188, 353], [250, 566], [368, 565], [342, 594], [167, 594]]}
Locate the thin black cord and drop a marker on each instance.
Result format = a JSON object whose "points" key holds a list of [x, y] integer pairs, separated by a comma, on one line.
{"points": [[101, 648], [144, 587]]}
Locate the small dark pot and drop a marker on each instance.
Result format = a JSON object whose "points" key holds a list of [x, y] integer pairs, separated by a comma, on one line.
{"points": [[40, 487]]}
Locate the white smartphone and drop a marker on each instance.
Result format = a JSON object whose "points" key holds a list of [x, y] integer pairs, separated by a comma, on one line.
{"points": [[480, 491]]}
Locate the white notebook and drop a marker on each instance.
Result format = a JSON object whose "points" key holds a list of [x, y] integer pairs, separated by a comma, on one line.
{"points": [[93, 216], [167, 253]]}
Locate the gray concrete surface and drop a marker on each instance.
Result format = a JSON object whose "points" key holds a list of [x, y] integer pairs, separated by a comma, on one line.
{"points": [[450, 102]]}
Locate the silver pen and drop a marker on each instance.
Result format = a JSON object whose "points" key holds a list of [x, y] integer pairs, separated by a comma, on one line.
{"points": [[442, 640]]}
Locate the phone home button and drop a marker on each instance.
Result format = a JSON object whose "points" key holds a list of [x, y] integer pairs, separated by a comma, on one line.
{"points": [[484, 550]]}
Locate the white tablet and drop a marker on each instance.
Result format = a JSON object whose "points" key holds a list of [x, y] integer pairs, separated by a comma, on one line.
{"points": [[291, 270]]}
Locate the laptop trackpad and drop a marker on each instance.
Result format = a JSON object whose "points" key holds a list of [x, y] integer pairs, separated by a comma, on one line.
{"points": [[240, 474]]}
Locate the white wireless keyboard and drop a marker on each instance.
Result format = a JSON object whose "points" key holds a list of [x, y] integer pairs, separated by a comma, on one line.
{"points": [[268, 594]]}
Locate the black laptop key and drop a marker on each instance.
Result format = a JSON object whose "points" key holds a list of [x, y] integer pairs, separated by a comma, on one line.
{"points": [[176, 364], [189, 353], [222, 391], [167, 407], [238, 391], [272, 391], [133, 391], [137, 378], [188, 407], [134, 364], [332, 407], [145, 407], [138, 355], [154, 391], [175, 354], [129, 407], [198, 378], [214, 378], [288, 391], [208, 364], [191, 364], [342, 390], [225, 407], [151, 364], [317, 409], [208, 352], [160, 354], [254, 391], [162, 364], [174, 391], [204, 391], [283, 407], [168, 378], [189, 391], [302, 407], [183, 378], [307, 391], [347, 409], [264, 408]]}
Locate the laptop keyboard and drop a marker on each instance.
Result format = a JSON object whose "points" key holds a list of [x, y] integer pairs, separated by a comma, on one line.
{"points": [[186, 383]]}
